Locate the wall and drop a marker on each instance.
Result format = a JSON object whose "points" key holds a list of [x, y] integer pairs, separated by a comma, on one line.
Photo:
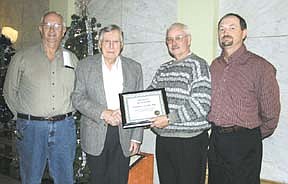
{"points": [[65, 7], [267, 36], [143, 26], [23, 16], [201, 16]]}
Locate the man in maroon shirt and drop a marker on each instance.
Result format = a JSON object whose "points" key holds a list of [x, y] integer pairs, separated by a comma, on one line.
{"points": [[245, 107]]}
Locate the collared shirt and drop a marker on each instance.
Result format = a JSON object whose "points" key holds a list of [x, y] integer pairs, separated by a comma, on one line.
{"points": [[245, 92], [113, 83], [39, 87]]}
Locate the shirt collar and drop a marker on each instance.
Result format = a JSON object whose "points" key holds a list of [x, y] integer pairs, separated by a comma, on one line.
{"points": [[116, 65], [236, 57], [182, 59], [58, 53]]}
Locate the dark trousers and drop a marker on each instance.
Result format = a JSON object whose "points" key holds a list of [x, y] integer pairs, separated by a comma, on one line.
{"points": [[111, 167], [235, 158], [182, 160]]}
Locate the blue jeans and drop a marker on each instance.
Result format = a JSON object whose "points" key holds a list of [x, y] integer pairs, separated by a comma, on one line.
{"points": [[46, 141]]}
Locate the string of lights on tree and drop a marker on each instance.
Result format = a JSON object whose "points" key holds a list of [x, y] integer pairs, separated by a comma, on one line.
{"points": [[82, 35]]}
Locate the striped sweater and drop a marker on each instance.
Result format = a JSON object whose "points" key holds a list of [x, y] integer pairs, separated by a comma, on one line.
{"points": [[187, 84]]}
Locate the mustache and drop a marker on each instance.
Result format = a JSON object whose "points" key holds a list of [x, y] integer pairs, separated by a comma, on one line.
{"points": [[175, 47], [227, 36]]}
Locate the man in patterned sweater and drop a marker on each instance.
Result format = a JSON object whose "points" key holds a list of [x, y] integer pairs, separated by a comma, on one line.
{"points": [[182, 138]]}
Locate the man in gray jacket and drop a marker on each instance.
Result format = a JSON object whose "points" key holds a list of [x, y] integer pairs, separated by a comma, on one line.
{"points": [[99, 80]]}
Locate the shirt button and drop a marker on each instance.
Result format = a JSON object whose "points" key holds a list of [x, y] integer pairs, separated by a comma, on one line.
{"points": [[53, 83], [53, 108]]}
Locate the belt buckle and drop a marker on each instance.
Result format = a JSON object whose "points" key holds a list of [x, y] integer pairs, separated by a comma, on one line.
{"points": [[222, 130], [225, 130], [229, 129]]}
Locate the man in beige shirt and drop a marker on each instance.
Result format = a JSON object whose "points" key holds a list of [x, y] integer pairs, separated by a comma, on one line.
{"points": [[37, 89]]}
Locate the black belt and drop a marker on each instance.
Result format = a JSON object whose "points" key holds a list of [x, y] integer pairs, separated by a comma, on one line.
{"points": [[231, 129], [37, 118]]}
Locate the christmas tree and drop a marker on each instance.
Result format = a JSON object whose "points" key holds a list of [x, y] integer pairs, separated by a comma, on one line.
{"points": [[6, 52], [82, 35], [82, 39], [8, 157]]}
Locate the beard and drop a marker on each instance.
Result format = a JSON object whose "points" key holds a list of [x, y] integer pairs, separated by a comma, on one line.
{"points": [[226, 41]]}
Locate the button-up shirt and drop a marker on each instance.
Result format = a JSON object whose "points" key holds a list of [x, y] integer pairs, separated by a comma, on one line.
{"points": [[113, 83], [245, 92], [39, 87]]}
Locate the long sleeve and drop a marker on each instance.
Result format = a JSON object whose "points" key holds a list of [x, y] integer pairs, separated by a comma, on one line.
{"points": [[188, 89], [269, 102], [196, 106], [80, 97], [137, 133], [11, 84]]}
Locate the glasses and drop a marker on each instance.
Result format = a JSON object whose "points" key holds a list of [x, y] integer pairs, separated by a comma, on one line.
{"points": [[178, 38], [111, 42], [48, 26]]}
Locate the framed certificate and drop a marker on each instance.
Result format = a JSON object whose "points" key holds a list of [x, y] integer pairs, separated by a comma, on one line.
{"points": [[138, 107]]}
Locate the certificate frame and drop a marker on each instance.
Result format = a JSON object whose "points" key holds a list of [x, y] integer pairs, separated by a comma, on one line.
{"points": [[138, 107]]}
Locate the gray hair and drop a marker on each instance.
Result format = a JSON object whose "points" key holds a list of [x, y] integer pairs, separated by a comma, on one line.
{"points": [[182, 26], [107, 29], [110, 28], [52, 12]]}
